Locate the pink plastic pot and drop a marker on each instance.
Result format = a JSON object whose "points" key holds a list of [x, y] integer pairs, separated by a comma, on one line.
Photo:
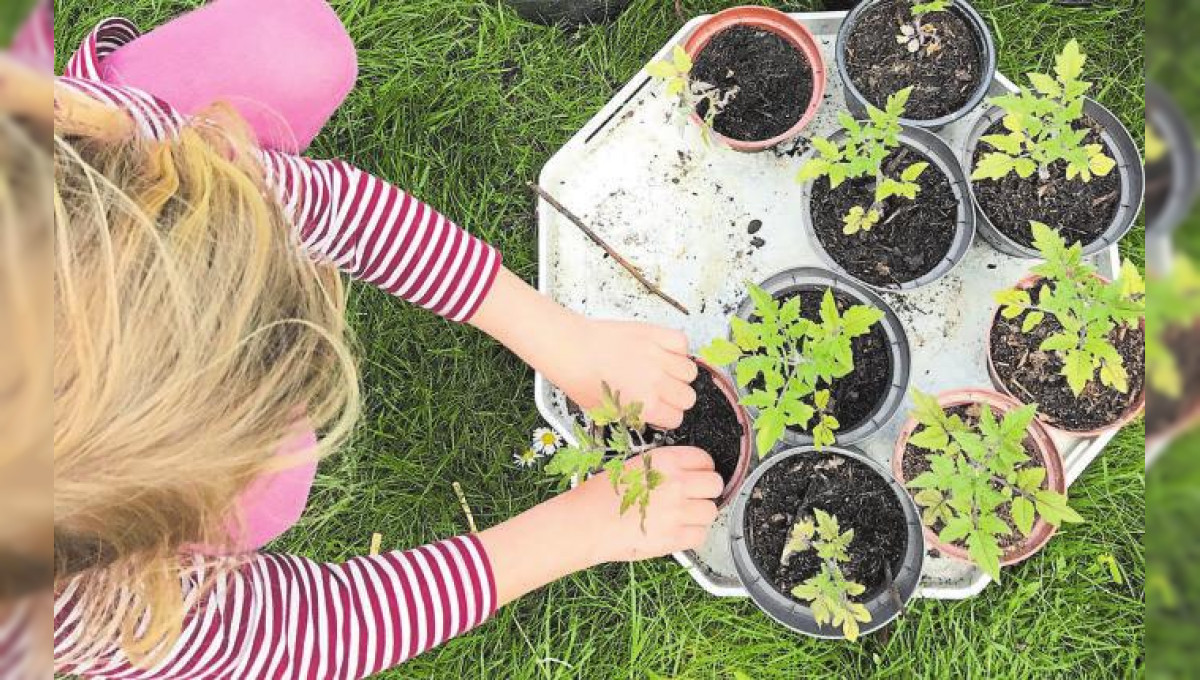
{"points": [[777, 22], [746, 450], [1055, 479], [1131, 412]]}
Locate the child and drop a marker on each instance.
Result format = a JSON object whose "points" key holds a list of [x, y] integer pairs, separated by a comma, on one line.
{"points": [[196, 351]]}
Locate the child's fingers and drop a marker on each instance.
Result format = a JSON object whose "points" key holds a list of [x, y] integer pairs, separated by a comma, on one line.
{"points": [[669, 339], [680, 367], [699, 513], [702, 485], [686, 458], [664, 415], [678, 394]]}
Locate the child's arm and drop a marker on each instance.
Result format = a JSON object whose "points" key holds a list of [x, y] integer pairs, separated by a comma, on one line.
{"points": [[381, 235], [283, 616]]}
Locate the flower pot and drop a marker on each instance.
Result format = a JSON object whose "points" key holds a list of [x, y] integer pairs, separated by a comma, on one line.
{"points": [[746, 451], [1166, 417], [941, 159], [1134, 409], [894, 340], [774, 21], [883, 603], [1123, 150], [971, 21], [1051, 459], [1172, 181]]}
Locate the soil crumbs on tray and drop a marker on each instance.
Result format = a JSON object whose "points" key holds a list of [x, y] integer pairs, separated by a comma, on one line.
{"points": [[773, 77], [878, 65], [858, 496], [1080, 210], [711, 425], [916, 462], [912, 237], [1034, 376]]}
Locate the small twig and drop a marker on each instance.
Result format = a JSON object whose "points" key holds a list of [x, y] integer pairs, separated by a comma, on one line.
{"points": [[462, 501], [679, 9], [629, 267], [376, 543]]}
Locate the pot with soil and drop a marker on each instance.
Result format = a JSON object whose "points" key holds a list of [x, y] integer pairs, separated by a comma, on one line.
{"points": [[1097, 213], [719, 425], [782, 516], [716, 424], [769, 67], [915, 242], [1172, 172], [946, 56], [1170, 414], [1024, 369], [912, 461], [864, 400]]}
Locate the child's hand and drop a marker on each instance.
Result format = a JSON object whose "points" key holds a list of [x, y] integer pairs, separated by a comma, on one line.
{"points": [[680, 512], [645, 363]]}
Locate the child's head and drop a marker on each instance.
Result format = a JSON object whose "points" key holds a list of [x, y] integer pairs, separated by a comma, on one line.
{"points": [[191, 333]]}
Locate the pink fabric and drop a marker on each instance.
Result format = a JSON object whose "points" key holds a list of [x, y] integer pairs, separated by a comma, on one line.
{"points": [[272, 504], [286, 65]]}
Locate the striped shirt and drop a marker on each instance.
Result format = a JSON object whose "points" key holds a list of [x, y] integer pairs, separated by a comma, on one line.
{"points": [[368, 228], [282, 616]]}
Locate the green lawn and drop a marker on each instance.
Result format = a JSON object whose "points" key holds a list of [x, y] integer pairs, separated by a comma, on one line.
{"points": [[462, 103]]}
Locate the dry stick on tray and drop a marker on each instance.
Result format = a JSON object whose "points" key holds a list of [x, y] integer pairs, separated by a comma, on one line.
{"points": [[629, 267]]}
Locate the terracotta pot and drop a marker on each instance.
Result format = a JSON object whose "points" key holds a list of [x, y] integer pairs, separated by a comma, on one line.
{"points": [[1055, 478], [1131, 412], [745, 453], [787, 28]]}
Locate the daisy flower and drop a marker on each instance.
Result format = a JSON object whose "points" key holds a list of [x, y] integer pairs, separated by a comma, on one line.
{"points": [[527, 458], [546, 441]]}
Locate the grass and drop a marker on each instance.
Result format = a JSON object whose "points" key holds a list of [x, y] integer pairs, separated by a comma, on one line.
{"points": [[462, 103]]}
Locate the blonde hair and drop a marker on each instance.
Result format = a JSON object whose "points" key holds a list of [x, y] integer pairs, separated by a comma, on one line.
{"points": [[191, 336]]}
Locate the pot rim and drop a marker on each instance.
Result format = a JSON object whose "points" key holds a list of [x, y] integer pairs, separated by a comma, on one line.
{"points": [[1131, 412], [774, 603], [1129, 167], [746, 449], [1055, 476], [948, 163], [784, 26], [794, 278], [979, 28]]}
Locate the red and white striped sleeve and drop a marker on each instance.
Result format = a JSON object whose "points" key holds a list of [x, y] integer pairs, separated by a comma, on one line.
{"points": [[370, 229], [381, 235], [282, 616]]}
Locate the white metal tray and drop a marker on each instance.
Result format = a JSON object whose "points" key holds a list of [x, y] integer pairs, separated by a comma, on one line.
{"points": [[681, 211]]}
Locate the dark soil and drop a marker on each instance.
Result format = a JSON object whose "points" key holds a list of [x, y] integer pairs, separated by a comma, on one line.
{"points": [[853, 397], [859, 497], [1162, 412], [711, 425], [1080, 210], [879, 66], [774, 81], [912, 237], [916, 462], [1033, 376]]}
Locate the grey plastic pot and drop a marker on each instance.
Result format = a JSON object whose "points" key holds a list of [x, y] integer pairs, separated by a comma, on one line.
{"points": [[944, 159], [795, 615], [858, 104], [814, 278], [1129, 165], [1172, 126]]}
